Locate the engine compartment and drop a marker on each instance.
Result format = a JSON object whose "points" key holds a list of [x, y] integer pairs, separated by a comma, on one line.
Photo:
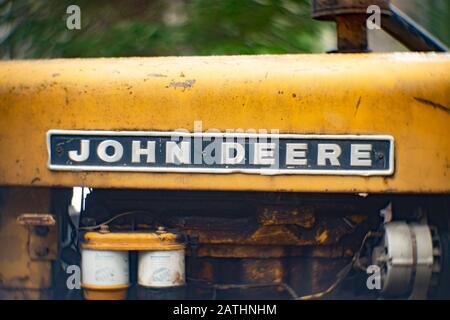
{"points": [[252, 245]]}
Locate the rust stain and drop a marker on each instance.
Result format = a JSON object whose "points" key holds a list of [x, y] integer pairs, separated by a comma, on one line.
{"points": [[322, 237], [303, 217], [10, 253], [177, 279]]}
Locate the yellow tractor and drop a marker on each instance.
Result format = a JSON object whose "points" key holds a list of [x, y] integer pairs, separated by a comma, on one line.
{"points": [[298, 176]]}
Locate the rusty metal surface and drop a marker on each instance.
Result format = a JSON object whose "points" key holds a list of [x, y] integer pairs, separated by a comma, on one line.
{"points": [[324, 231], [252, 245], [329, 9], [300, 216], [351, 16], [351, 33], [26, 252], [237, 224], [272, 251], [248, 245], [36, 219], [43, 243], [25, 294]]}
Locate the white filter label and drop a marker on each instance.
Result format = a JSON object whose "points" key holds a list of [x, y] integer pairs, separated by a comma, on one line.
{"points": [[105, 267], [161, 268]]}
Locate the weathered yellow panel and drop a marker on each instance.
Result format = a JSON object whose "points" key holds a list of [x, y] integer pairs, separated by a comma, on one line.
{"points": [[405, 95], [22, 275]]}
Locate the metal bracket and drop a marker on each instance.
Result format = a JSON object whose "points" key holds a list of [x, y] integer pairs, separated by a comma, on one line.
{"points": [[36, 219], [351, 20], [42, 239]]}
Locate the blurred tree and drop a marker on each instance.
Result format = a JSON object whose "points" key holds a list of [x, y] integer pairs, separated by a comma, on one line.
{"points": [[37, 29], [112, 28]]}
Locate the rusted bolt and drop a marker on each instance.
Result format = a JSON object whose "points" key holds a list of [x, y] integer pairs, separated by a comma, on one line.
{"points": [[42, 251], [41, 231], [160, 229], [104, 228]]}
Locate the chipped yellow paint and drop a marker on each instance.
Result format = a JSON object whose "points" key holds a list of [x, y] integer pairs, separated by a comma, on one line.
{"points": [[22, 274], [132, 241], [405, 95], [322, 236]]}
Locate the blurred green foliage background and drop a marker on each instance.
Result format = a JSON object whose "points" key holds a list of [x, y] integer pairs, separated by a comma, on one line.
{"points": [[112, 28]]}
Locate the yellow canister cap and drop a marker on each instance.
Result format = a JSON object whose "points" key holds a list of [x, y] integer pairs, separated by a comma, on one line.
{"points": [[135, 240]]}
